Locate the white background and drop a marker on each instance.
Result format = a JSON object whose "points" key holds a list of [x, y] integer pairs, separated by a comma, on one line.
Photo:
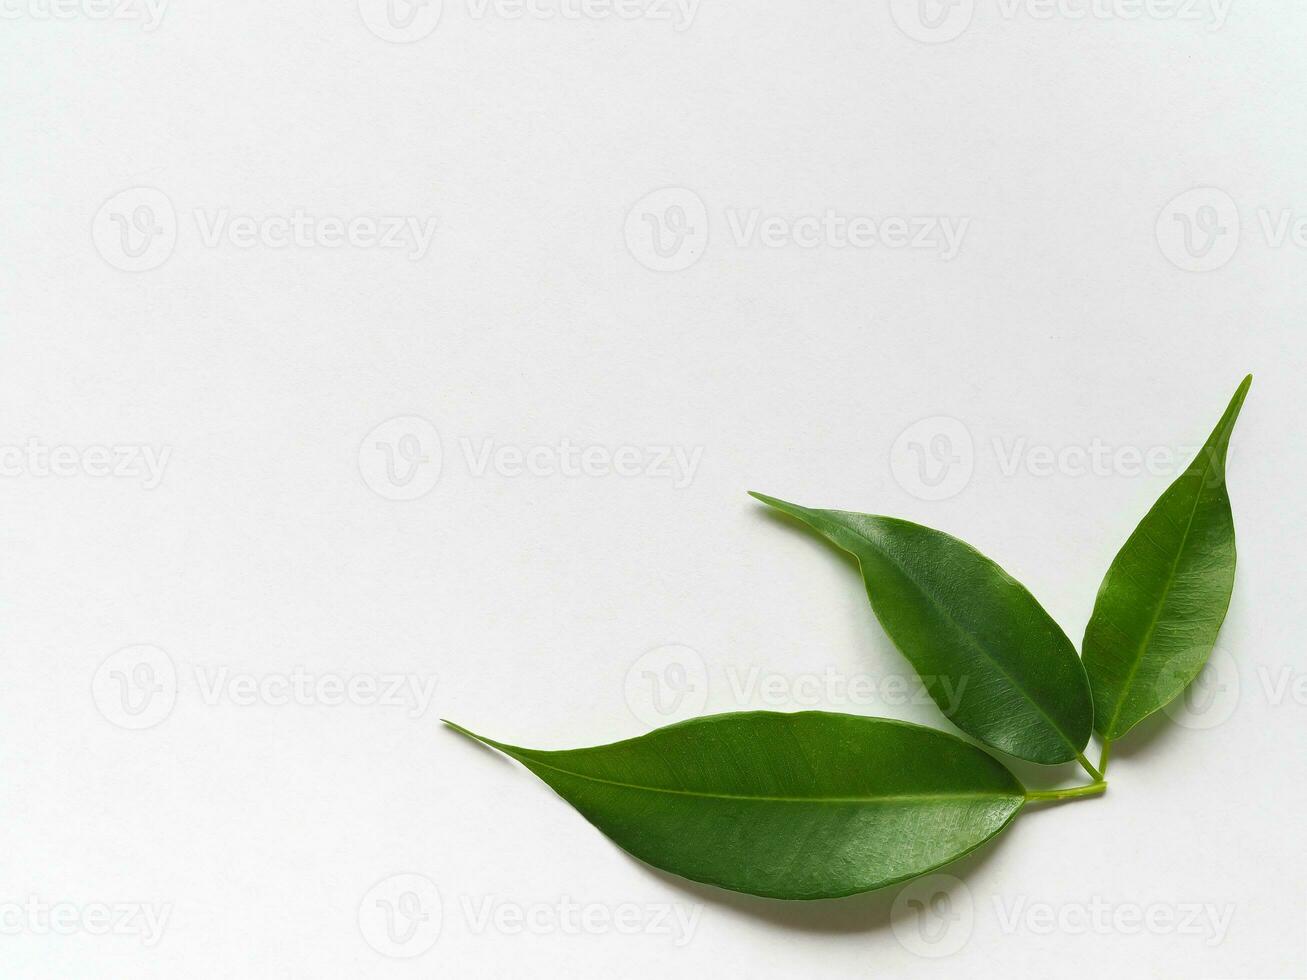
{"points": [[272, 541]]}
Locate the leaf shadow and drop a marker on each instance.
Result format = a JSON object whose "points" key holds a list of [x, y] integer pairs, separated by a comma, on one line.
{"points": [[875, 634], [481, 747], [868, 912], [798, 528], [1154, 730]]}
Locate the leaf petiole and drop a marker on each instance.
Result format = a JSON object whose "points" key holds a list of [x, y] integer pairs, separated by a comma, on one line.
{"points": [[1093, 789], [1094, 773], [1102, 758]]}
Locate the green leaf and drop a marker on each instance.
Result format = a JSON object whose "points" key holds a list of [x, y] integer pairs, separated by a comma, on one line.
{"points": [[1164, 597], [993, 660], [798, 806]]}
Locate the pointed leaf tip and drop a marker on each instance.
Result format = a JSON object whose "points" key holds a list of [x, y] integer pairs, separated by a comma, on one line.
{"points": [[469, 734], [1237, 399], [784, 506]]}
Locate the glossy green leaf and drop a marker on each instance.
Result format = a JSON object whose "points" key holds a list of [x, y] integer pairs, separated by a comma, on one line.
{"points": [[799, 806], [993, 660], [1164, 597]]}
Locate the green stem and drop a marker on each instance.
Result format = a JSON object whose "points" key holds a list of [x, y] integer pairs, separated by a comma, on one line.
{"points": [[1102, 759], [1097, 776], [1093, 789]]}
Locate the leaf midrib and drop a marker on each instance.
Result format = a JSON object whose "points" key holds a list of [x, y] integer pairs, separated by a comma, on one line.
{"points": [[1147, 638], [893, 798]]}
